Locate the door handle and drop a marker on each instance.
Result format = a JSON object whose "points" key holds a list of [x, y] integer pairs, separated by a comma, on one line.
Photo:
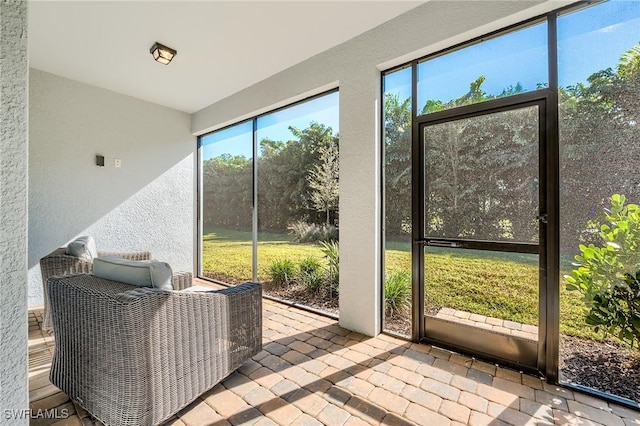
{"points": [[438, 243], [542, 218], [452, 244]]}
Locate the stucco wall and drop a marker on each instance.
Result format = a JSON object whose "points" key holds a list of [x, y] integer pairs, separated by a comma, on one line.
{"points": [[355, 67], [14, 395], [147, 204]]}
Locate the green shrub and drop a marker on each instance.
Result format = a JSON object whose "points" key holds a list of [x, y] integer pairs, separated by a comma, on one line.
{"points": [[309, 265], [331, 251], [311, 274], [617, 309], [312, 281], [303, 232], [603, 275], [282, 271], [397, 292]]}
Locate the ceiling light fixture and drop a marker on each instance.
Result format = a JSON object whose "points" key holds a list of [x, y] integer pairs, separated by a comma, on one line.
{"points": [[162, 53]]}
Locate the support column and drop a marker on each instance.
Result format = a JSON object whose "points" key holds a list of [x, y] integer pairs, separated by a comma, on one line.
{"points": [[360, 230], [14, 72]]}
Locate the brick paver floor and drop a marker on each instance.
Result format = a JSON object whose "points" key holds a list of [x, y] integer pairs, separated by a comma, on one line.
{"points": [[313, 372], [498, 325]]}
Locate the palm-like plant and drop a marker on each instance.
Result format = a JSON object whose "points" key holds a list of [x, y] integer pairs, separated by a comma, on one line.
{"points": [[331, 251], [397, 292]]}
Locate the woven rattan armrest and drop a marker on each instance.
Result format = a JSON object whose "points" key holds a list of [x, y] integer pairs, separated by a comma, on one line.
{"points": [[58, 263], [182, 280]]}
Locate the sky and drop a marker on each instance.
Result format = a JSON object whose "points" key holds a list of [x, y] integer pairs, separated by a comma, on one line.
{"points": [[594, 38], [238, 139], [589, 40], [520, 56]]}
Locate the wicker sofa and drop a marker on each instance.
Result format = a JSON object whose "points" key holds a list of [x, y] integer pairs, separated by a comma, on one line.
{"points": [[58, 263], [136, 355]]}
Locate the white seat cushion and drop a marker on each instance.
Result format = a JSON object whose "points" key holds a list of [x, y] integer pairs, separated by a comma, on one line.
{"points": [[138, 273]]}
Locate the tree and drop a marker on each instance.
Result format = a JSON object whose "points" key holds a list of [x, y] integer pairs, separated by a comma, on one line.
{"points": [[323, 180], [599, 143], [475, 95], [459, 202], [227, 195], [397, 140], [482, 177], [481, 174], [284, 192]]}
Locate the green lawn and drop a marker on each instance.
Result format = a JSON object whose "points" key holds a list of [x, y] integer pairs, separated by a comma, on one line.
{"points": [[501, 285], [228, 253]]}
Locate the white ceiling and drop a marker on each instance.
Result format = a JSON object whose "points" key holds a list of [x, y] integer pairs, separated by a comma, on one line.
{"points": [[222, 47]]}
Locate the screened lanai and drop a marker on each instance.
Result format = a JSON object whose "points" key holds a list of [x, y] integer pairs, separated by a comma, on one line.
{"points": [[438, 199]]}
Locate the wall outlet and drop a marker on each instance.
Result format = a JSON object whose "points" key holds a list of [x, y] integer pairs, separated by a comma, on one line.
{"points": [[118, 163]]}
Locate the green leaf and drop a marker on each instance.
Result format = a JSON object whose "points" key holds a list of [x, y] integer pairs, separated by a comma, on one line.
{"points": [[617, 199], [588, 253]]}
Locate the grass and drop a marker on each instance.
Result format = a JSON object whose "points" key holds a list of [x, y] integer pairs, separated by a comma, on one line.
{"points": [[228, 253], [500, 285]]}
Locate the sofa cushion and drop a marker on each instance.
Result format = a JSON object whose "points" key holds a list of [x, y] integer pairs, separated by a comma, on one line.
{"points": [[83, 247], [138, 273]]}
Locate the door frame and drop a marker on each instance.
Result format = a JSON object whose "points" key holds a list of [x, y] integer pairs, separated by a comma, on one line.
{"points": [[512, 350]]}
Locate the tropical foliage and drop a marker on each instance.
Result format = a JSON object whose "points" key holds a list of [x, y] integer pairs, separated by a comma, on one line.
{"points": [[331, 252], [599, 120], [503, 204], [502, 147], [607, 276], [297, 181]]}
